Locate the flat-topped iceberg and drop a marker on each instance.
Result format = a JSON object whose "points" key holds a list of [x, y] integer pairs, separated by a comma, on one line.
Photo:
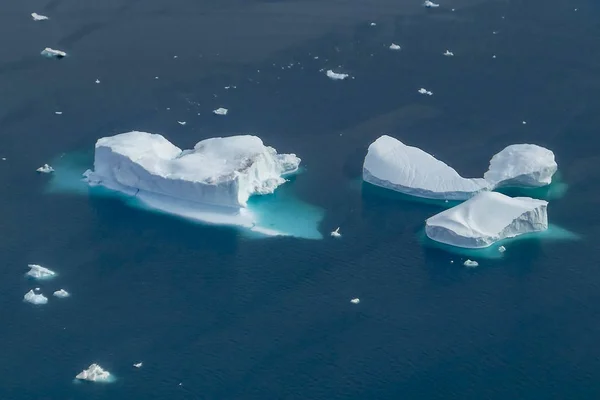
{"points": [[487, 218], [39, 272], [525, 165], [393, 165], [94, 373], [35, 298], [222, 172]]}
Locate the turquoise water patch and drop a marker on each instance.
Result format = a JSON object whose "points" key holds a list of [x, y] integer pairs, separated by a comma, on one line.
{"points": [[553, 233], [280, 213]]}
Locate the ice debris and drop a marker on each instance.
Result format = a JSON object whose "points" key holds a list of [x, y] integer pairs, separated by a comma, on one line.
{"points": [[355, 301], [430, 4], [182, 123], [221, 111], [38, 17], [45, 169], [471, 264], [94, 373], [38, 272], [336, 233], [62, 293], [425, 91], [501, 249], [487, 218], [448, 53], [51, 53], [97, 80], [336, 76], [33, 298], [394, 46], [138, 365]]}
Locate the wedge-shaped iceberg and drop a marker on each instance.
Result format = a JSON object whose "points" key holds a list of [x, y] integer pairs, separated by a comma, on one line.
{"points": [[525, 165], [220, 171], [393, 165], [94, 373], [39, 272], [487, 218]]}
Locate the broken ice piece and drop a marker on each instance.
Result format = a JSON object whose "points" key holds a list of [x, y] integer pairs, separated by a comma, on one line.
{"points": [[33, 298], [448, 53], [355, 301], [394, 46], [336, 233], [38, 17], [221, 111], [39, 272], [471, 264], [182, 123], [61, 294], [138, 365], [425, 91], [58, 112], [430, 4], [51, 53], [336, 76], [97, 80], [45, 169], [501, 249], [94, 373]]}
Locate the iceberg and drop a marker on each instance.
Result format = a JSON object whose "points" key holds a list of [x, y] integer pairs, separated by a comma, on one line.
{"points": [[394, 46], [45, 169], [33, 298], [38, 17], [471, 264], [94, 373], [221, 111], [448, 53], [522, 165], [336, 76], [39, 272], [355, 301], [425, 91], [62, 293], [487, 218], [51, 53], [430, 4], [393, 165], [222, 172], [336, 233]]}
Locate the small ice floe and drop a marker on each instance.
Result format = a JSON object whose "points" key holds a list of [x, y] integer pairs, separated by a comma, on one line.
{"points": [[425, 91], [58, 112], [175, 56], [51, 53], [38, 17], [448, 53], [336, 233], [394, 46], [138, 365], [336, 76], [471, 264], [94, 373], [524, 122], [45, 169], [35, 298], [501, 249], [61, 294], [221, 111], [373, 24], [182, 123], [3, 158], [494, 56], [355, 301], [39, 272], [97, 80], [156, 77], [430, 4]]}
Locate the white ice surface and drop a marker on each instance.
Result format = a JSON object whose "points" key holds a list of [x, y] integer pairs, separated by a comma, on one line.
{"points": [[425, 91], [221, 111], [48, 52], [45, 169], [38, 272], [33, 298], [94, 373], [62, 293], [527, 165], [394, 46], [448, 53], [430, 4], [487, 218], [471, 264], [336, 76], [336, 233], [393, 165], [38, 17], [355, 301]]}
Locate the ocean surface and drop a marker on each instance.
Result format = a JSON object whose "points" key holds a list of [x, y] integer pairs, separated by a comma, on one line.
{"points": [[215, 313]]}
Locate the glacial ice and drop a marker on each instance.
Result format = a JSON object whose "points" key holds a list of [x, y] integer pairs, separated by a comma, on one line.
{"points": [[138, 365], [393, 165], [221, 111], [336, 233], [94, 373], [35, 298], [45, 169], [425, 91], [448, 53], [430, 4], [522, 165], [39, 272], [51, 53], [38, 17], [336, 76], [471, 264], [62, 293], [487, 218], [394, 46], [223, 172], [501, 249], [355, 301]]}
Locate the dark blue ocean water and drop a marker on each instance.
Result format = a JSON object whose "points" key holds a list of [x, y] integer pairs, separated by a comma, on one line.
{"points": [[216, 314]]}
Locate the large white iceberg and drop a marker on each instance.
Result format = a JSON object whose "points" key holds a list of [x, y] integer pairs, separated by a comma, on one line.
{"points": [[35, 298], [526, 165], [393, 165], [487, 218], [94, 373], [222, 172], [39, 272]]}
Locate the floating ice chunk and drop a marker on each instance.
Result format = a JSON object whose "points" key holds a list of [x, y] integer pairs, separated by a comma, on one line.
{"points": [[393, 165], [182, 123], [501, 249], [51, 53], [223, 172], [355, 301], [94, 373], [524, 122], [522, 165], [487, 218], [336, 76], [45, 169], [471, 264], [97, 80], [430, 4], [373, 24], [425, 91], [33, 298], [394, 46], [221, 111], [138, 365], [39, 272], [38, 17], [62, 293], [58, 112], [336, 233], [448, 53]]}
